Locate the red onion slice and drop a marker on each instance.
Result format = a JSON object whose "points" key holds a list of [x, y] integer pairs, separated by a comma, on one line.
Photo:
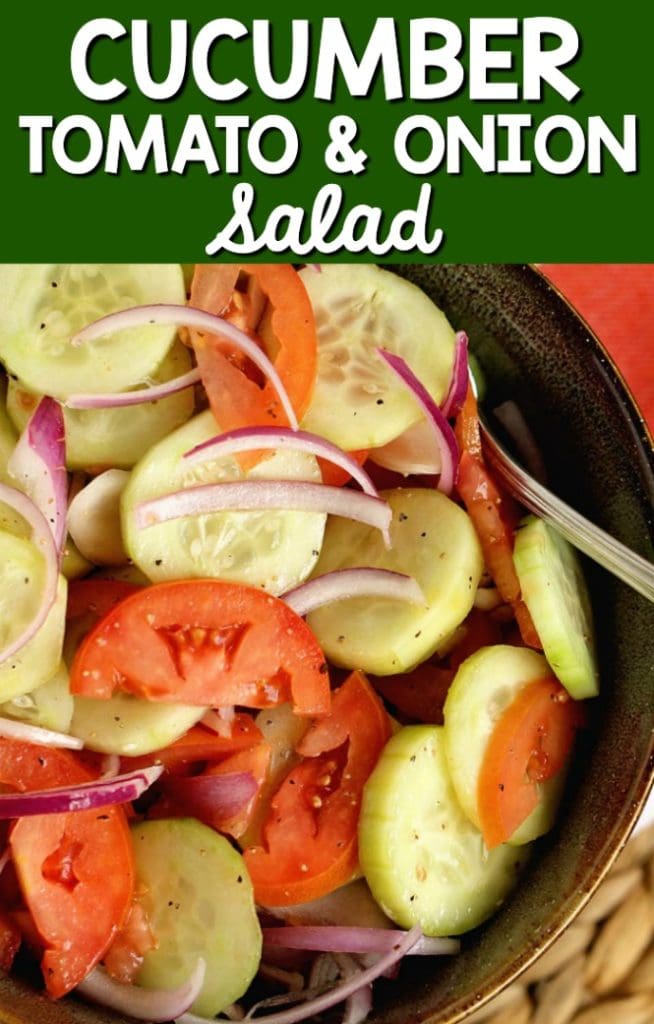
{"points": [[412, 453], [218, 797], [35, 734], [443, 434], [155, 1005], [456, 393], [344, 583], [122, 399], [267, 494], [341, 993], [247, 439], [38, 464], [352, 939], [187, 316], [358, 1006], [43, 539], [83, 797]]}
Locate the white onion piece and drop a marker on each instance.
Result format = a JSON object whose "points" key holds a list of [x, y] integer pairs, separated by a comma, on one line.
{"points": [[38, 464], [444, 438], [341, 993], [94, 518], [516, 426], [233, 1012], [458, 389], [220, 721], [122, 399], [352, 939], [109, 766], [344, 583], [35, 734], [82, 797], [358, 1006], [247, 439], [413, 452], [246, 495], [43, 540], [155, 1005], [187, 316]]}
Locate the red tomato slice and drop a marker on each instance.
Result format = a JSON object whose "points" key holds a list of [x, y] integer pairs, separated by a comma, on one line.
{"points": [[275, 310], [479, 630], [333, 475], [124, 958], [310, 835], [485, 507], [76, 870], [207, 643], [529, 744], [96, 597]]}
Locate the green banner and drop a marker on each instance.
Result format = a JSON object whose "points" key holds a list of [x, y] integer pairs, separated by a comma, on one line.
{"points": [[167, 132]]}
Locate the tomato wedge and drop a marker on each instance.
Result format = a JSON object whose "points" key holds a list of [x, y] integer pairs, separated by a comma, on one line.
{"points": [[529, 744], [269, 302], [491, 515], [204, 642], [75, 870], [310, 834], [418, 695]]}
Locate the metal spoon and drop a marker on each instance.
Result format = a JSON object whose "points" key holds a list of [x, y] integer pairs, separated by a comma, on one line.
{"points": [[608, 552]]}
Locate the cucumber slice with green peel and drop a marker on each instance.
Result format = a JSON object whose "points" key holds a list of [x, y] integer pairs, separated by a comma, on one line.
{"points": [[434, 541], [274, 550], [554, 590], [22, 577], [49, 706], [424, 861], [101, 438], [199, 903], [42, 306], [485, 685], [358, 401], [130, 726]]}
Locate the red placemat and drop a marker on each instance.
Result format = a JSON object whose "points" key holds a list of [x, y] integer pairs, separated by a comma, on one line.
{"points": [[617, 300]]}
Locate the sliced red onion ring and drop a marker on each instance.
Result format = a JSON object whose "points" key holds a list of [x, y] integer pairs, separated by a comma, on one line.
{"points": [[218, 797], [35, 734], [83, 797], [188, 316], [121, 399], [247, 439], [352, 939], [267, 494], [344, 583], [155, 1005], [412, 453], [358, 1006], [38, 464], [456, 393], [341, 993], [443, 434], [43, 539]]}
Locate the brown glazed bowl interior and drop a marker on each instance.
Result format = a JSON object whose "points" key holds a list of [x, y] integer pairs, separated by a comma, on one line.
{"points": [[534, 349]]}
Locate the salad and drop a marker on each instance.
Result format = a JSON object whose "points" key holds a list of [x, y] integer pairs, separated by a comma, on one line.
{"points": [[289, 685]]}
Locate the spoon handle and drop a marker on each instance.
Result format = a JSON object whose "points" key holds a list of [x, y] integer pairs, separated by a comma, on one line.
{"points": [[608, 552]]}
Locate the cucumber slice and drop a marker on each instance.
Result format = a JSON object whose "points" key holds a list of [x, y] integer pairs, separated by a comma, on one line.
{"points": [[424, 861], [272, 550], [74, 564], [554, 590], [21, 584], [358, 402], [43, 305], [434, 541], [199, 902], [50, 706], [130, 726], [485, 685], [101, 438]]}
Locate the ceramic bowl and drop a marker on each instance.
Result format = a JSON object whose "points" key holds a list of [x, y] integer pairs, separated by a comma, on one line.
{"points": [[534, 349]]}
